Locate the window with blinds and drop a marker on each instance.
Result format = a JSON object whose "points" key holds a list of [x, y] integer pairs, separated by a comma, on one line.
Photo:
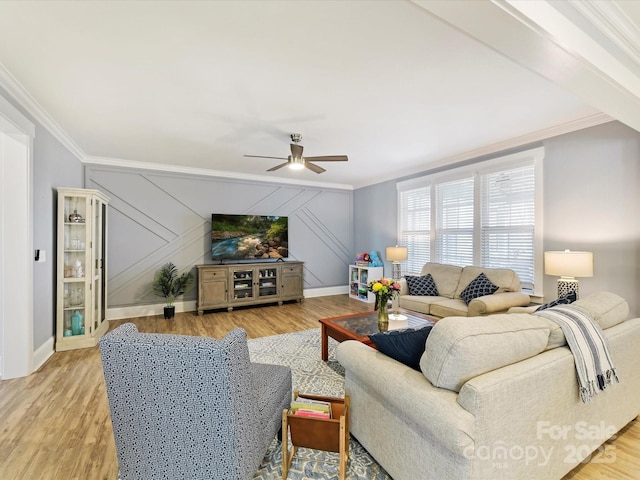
{"points": [[508, 222], [483, 215], [454, 222], [415, 227]]}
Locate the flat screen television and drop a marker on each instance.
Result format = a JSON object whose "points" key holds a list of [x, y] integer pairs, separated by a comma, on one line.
{"points": [[249, 237]]}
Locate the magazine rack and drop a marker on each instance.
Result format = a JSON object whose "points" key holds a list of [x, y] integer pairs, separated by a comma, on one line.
{"points": [[329, 434]]}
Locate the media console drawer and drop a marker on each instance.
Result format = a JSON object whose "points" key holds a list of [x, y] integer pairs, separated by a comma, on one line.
{"points": [[214, 274]]}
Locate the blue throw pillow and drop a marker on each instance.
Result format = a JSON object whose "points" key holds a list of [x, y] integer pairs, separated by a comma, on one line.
{"points": [[479, 287], [565, 300], [406, 346], [424, 285]]}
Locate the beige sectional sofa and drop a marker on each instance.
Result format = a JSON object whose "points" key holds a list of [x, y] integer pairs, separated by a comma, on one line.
{"points": [[496, 398], [451, 280]]}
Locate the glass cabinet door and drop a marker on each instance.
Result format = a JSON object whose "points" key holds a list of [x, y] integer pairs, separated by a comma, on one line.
{"points": [[242, 283], [267, 282], [75, 260], [99, 264]]}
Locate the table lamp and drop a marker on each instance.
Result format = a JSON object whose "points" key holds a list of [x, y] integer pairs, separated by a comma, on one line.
{"points": [[568, 265], [396, 255]]}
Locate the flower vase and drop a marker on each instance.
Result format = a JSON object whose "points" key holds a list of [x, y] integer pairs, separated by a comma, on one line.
{"points": [[383, 314]]}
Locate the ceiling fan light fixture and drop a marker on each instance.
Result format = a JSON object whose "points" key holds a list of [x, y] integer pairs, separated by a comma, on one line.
{"points": [[296, 163]]}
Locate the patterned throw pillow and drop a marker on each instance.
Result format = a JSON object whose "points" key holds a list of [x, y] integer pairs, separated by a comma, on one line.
{"points": [[479, 287], [565, 300], [406, 346], [422, 285]]}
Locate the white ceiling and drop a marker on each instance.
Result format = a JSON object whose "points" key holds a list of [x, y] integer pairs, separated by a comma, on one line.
{"points": [[398, 86]]}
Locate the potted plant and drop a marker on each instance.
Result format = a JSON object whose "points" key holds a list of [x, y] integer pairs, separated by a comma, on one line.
{"points": [[168, 284]]}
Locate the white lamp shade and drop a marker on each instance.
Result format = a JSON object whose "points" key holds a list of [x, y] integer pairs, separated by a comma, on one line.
{"points": [[397, 254], [569, 263]]}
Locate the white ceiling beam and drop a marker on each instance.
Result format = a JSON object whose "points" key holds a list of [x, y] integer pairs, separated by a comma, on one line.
{"points": [[538, 37]]}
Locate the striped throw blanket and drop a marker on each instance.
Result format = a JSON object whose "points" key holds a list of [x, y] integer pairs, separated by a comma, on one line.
{"points": [[589, 346]]}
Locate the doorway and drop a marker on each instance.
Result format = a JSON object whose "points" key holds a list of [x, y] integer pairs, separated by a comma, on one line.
{"points": [[16, 243]]}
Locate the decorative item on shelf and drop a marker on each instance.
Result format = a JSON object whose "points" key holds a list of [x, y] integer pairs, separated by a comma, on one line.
{"points": [[76, 297], [77, 325], [568, 265], [78, 270], [385, 290], [374, 259], [396, 255], [75, 217], [67, 332], [362, 259], [169, 285]]}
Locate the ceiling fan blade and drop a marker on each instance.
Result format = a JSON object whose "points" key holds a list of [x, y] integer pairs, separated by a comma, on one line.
{"points": [[262, 156], [313, 168], [296, 150], [329, 158], [278, 166]]}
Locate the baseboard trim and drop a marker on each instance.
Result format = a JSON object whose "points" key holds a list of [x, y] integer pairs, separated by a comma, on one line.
{"points": [[43, 353], [326, 291], [118, 313]]}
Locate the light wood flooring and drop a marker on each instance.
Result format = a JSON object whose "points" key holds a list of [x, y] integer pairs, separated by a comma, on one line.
{"points": [[55, 423]]}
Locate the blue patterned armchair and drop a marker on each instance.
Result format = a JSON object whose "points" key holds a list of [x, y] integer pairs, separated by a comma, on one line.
{"points": [[192, 408]]}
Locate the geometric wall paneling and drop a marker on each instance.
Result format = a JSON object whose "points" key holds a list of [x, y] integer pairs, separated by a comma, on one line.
{"points": [[206, 195], [159, 217], [140, 242], [151, 200], [132, 286], [329, 211], [324, 252]]}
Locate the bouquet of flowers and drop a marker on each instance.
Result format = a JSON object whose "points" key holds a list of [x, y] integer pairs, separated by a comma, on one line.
{"points": [[384, 289]]}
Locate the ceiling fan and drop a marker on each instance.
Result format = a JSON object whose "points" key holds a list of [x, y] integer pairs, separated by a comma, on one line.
{"points": [[297, 162]]}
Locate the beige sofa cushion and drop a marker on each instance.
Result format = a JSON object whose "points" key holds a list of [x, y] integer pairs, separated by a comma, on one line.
{"points": [[449, 307], [460, 348], [446, 277], [418, 303], [606, 308]]}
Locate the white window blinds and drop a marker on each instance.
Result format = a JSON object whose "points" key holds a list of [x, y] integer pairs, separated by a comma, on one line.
{"points": [[415, 227], [454, 222], [508, 222]]}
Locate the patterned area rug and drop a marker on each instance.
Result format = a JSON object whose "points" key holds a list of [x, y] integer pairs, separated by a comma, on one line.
{"points": [[301, 352]]}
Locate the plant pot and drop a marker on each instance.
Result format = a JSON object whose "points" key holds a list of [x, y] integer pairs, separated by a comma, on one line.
{"points": [[169, 312]]}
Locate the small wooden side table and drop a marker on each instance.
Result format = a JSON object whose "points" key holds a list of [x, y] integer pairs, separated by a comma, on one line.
{"points": [[329, 434]]}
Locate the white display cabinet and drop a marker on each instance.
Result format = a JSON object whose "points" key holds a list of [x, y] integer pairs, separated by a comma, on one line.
{"points": [[359, 277], [82, 268]]}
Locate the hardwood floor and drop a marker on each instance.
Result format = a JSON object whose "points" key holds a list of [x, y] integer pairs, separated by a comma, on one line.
{"points": [[55, 424]]}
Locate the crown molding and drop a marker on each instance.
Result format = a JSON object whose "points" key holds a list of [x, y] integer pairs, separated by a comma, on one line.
{"points": [[114, 162], [613, 23], [26, 101]]}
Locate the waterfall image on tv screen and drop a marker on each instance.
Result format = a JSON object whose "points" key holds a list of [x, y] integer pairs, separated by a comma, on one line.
{"points": [[249, 237]]}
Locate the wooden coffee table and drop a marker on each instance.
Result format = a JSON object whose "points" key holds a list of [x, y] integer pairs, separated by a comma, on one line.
{"points": [[358, 326]]}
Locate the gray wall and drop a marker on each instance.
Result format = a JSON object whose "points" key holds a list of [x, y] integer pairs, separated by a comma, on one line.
{"points": [[375, 222], [158, 217], [591, 202]]}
